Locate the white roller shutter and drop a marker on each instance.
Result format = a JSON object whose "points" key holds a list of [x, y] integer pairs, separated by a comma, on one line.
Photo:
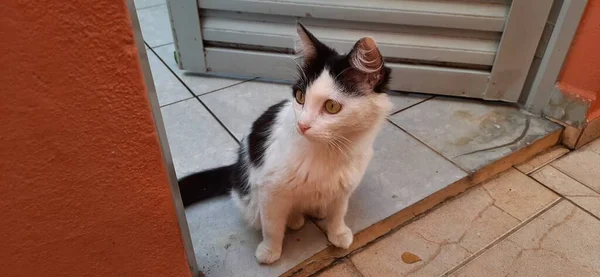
{"points": [[439, 47]]}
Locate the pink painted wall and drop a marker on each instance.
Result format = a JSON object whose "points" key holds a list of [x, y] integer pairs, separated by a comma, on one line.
{"points": [[83, 189], [581, 71]]}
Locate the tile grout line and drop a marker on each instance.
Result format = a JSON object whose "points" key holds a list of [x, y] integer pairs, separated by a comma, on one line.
{"points": [[544, 164], [187, 87], [178, 101], [233, 85], [501, 238], [572, 177], [431, 148], [199, 100], [429, 97], [151, 6], [218, 120], [567, 197], [351, 263], [160, 45]]}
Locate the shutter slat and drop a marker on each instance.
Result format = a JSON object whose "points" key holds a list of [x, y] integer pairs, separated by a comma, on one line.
{"points": [[445, 14], [414, 78], [412, 46]]}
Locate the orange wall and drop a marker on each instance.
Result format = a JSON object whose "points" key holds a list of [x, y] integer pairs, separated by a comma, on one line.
{"points": [[581, 71], [83, 190]]}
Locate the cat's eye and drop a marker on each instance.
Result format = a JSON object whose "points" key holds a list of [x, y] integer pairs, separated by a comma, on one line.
{"points": [[300, 97], [332, 107]]}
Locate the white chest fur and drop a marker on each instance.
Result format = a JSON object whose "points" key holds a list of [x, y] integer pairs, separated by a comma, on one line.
{"points": [[306, 173]]}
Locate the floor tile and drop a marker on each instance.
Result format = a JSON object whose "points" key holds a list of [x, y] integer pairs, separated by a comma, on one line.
{"points": [[542, 159], [196, 139], [140, 4], [518, 195], [224, 246], [403, 171], [449, 234], [593, 146], [564, 241], [582, 165], [168, 88], [156, 25], [198, 84], [590, 133], [343, 269], [569, 188], [238, 106], [404, 100], [472, 133]]}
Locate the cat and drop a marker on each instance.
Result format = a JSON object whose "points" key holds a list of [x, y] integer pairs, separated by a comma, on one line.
{"points": [[306, 155]]}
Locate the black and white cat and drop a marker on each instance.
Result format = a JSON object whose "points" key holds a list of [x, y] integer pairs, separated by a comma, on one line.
{"points": [[307, 155]]}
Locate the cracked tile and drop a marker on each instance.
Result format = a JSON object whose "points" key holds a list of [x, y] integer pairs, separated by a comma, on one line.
{"points": [[448, 235], [563, 241], [384, 259], [343, 269], [472, 133], [542, 159], [582, 165], [569, 188], [518, 195]]}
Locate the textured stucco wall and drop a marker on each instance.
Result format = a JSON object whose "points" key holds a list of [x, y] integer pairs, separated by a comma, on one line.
{"points": [[83, 189], [581, 71]]}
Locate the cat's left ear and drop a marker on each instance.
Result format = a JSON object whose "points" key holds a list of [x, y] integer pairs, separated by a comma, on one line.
{"points": [[366, 58], [308, 42]]}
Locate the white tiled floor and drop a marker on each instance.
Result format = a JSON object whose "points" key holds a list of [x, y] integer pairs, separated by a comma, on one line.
{"points": [[472, 133], [198, 84], [168, 88], [155, 24], [205, 115]]}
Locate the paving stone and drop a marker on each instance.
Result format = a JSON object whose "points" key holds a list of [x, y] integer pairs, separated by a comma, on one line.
{"points": [[448, 235], [564, 241]]}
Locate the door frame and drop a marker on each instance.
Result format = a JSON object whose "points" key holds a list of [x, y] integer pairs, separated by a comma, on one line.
{"points": [[164, 144], [556, 52]]}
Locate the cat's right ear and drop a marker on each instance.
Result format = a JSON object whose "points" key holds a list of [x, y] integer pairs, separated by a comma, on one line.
{"points": [[308, 43]]}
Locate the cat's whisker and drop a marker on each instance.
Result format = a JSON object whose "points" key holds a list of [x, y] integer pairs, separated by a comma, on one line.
{"points": [[300, 69], [294, 73]]}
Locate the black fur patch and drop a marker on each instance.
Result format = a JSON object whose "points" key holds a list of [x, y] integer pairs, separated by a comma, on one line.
{"points": [[261, 129], [349, 79]]}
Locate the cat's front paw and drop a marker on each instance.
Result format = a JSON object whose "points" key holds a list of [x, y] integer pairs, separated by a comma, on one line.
{"points": [[341, 237], [265, 255]]}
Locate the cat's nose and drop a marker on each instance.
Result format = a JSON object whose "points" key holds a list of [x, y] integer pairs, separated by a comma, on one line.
{"points": [[303, 127]]}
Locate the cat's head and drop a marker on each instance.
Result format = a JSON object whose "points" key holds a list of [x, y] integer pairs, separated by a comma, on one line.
{"points": [[338, 95]]}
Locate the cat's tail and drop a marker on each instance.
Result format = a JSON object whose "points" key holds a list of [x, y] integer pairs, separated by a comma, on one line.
{"points": [[206, 184]]}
